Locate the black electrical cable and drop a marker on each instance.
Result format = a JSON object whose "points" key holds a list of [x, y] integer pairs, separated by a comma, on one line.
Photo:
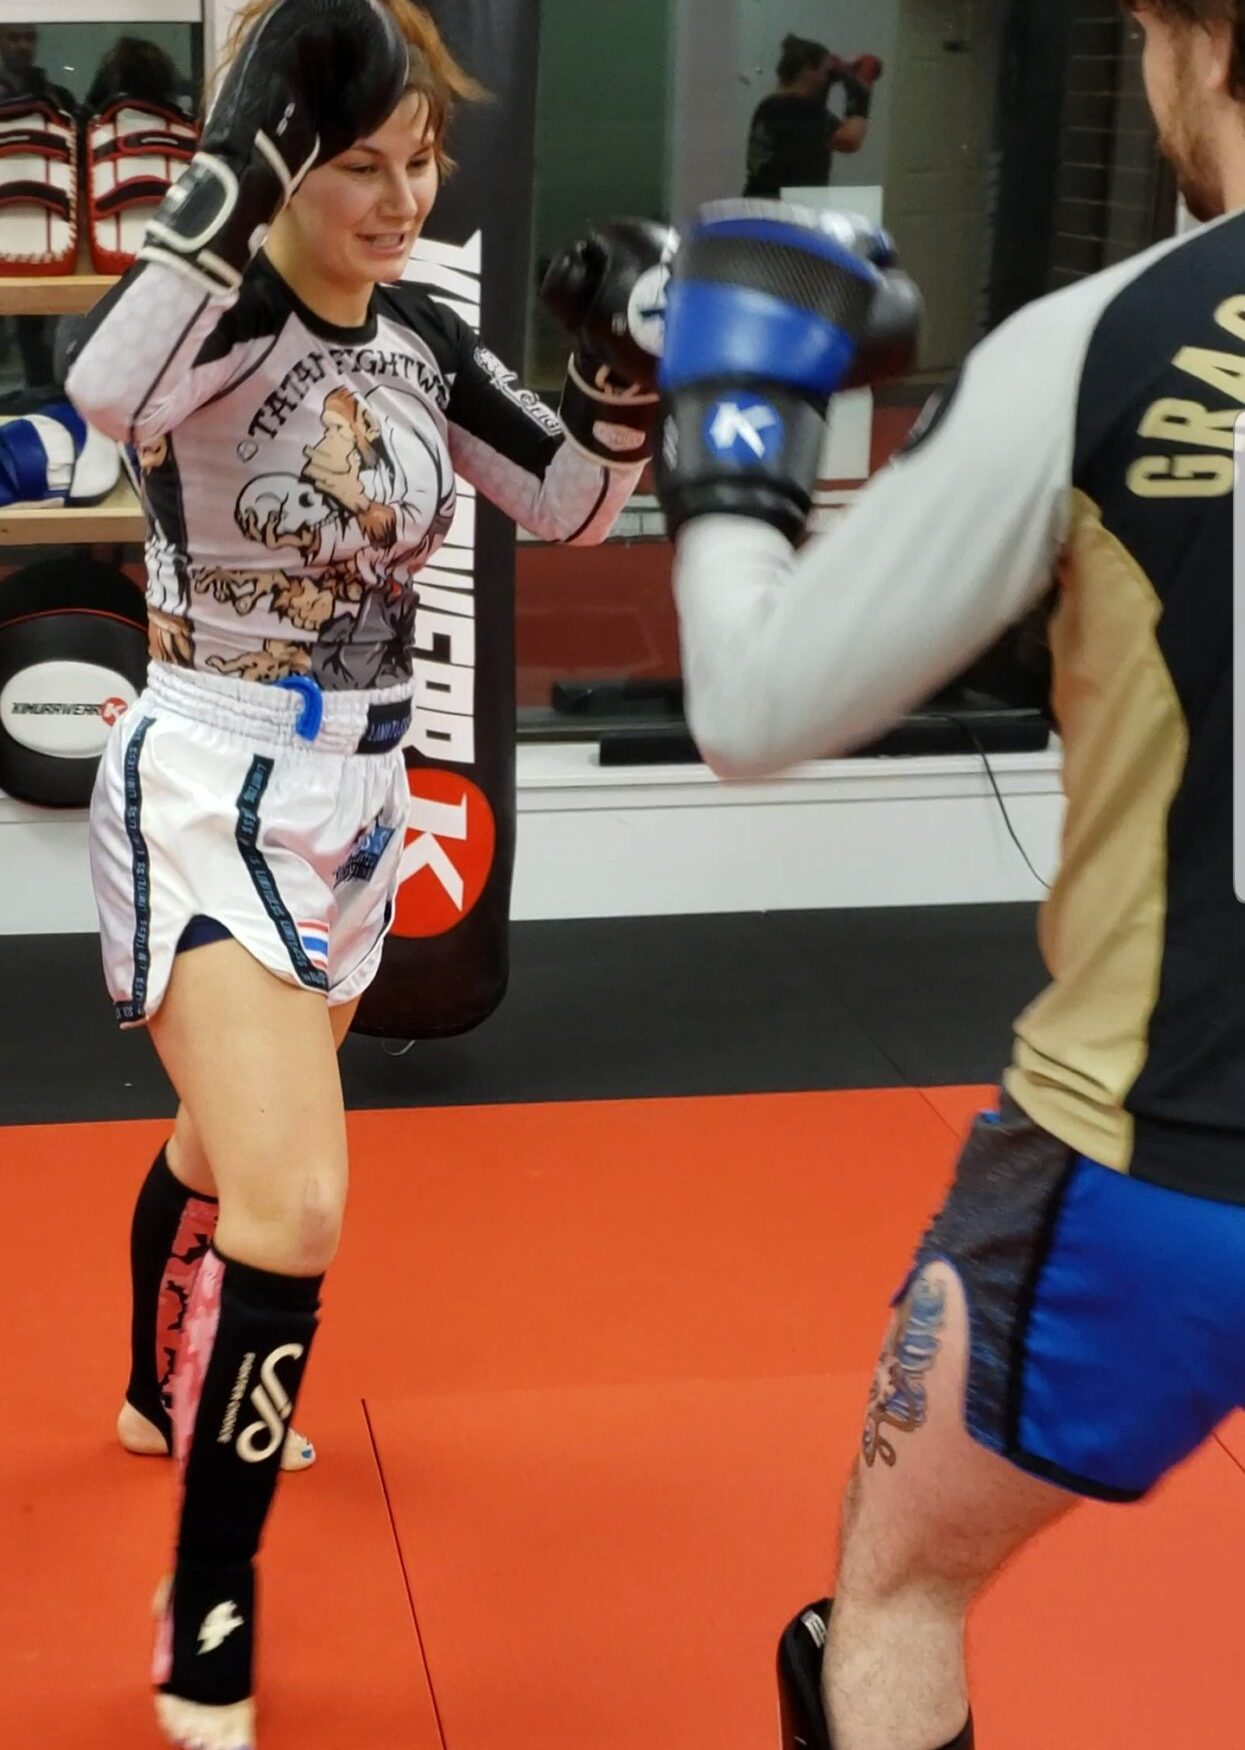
{"points": [[967, 730]]}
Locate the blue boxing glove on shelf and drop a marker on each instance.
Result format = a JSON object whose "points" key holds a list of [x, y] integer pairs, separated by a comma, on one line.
{"points": [[773, 309], [54, 457]]}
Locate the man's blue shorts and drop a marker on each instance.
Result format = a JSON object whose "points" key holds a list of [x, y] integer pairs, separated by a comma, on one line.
{"points": [[1107, 1316]]}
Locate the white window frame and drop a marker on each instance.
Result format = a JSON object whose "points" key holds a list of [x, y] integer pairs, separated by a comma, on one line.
{"points": [[48, 12]]}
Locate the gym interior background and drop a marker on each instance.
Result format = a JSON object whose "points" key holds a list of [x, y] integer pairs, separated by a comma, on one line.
{"points": [[1009, 150], [646, 1218]]}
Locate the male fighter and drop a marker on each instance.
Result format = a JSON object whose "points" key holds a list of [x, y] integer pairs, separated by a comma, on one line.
{"points": [[1071, 1323]]}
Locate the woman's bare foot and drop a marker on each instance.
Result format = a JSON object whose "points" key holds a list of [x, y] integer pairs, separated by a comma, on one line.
{"points": [[191, 1726], [145, 1440], [140, 1436]]}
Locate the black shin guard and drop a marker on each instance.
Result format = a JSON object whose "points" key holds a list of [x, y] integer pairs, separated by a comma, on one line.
{"points": [[799, 1680], [169, 1239], [248, 1336], [800, 1654]]}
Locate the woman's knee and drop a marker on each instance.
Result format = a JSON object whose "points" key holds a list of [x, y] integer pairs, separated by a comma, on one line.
{"points": [[291, 1228], [319, 1227]]}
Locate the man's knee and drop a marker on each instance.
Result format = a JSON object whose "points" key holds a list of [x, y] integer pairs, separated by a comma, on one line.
{"points": [[945, 1533]]}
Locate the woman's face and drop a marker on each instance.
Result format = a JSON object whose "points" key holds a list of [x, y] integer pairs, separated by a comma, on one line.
{"points": [[359, 215]]}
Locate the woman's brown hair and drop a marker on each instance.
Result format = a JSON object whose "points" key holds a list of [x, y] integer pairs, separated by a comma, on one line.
{"points": [[435, 75]]}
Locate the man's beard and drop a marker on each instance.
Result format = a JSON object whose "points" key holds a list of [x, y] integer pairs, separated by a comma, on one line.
{"points": [[1197, 177], [1186, 148]]}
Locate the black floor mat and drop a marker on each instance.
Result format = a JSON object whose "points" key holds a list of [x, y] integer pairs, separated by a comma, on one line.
{"points": [[606, 1009]]}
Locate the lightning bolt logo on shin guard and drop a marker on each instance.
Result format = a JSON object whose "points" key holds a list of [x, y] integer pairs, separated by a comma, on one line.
{"points": [[217, 1626]]}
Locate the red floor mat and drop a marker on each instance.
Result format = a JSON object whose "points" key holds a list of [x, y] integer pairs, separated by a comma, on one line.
{"points": [[646, 1239], [639, 1548], [86, 1531], [589, 1333]]}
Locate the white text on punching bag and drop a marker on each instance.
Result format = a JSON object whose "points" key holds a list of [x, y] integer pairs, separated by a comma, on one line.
{"points": [[443, 727], [434, 821]]}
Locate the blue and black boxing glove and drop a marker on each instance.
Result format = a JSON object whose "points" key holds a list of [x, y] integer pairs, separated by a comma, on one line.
{"points": [[773, 309]]}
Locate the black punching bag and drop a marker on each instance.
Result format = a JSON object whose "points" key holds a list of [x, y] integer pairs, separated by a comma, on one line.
{"points": [[447, 961]]}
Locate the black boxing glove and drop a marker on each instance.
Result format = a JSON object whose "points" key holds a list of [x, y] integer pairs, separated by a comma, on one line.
{"points": [[310, 78], [609, 290]]}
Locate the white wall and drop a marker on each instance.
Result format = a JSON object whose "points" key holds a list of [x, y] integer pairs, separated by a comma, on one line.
{"points": [[710, 106], [668, 841], [99, 11], [216, 17]]}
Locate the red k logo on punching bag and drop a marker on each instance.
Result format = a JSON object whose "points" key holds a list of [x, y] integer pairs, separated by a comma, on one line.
{"points": [[451, 842], [447, 960]]}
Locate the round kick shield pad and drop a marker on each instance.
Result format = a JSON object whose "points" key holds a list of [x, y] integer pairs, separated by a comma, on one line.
{"points": [[73, 659]]}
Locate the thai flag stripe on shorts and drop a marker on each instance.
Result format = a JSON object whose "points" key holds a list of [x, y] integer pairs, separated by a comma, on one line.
{"points": [[315, 939]]}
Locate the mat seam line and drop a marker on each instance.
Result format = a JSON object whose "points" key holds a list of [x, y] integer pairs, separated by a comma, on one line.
{"points": [[406, 1578], [784, 932], [956, 1130], [1227, 1450]]}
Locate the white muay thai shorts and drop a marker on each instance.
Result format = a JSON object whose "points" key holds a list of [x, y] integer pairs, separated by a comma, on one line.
{"points": [[272, 814]]}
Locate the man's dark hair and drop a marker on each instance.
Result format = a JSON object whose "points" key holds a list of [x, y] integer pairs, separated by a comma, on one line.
{"points": [[798, 55], [1205, 12]]}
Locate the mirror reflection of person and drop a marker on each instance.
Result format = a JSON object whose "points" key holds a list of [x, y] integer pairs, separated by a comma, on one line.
{"points": [[794, 134], [20, 75], [135, 67]]}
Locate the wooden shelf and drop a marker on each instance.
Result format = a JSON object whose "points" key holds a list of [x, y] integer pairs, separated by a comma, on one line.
{"points": [[117, 519], [67, 294], [55, 294]]}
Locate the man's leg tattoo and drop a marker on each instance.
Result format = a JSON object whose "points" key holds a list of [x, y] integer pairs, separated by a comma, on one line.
{"points": [[899, 1400]]}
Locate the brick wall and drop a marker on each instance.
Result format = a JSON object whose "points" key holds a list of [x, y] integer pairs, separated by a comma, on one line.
{"points": [[1114, 195]]}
